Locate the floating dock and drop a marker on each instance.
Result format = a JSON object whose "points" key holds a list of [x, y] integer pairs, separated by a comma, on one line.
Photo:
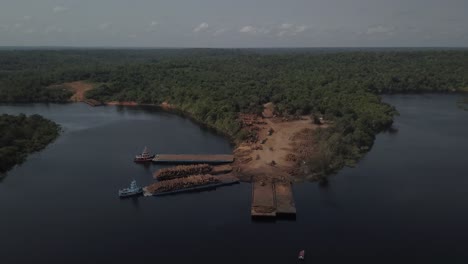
{"points": [[285, 205], [263, 200], [272, 199], [192, 159]]}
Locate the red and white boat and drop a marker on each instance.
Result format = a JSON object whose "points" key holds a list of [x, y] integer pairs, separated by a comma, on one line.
{"points": [[302, 255], [144, 157]]}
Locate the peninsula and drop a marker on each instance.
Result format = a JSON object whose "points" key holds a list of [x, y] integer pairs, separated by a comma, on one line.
{"points": [[291, 113]]}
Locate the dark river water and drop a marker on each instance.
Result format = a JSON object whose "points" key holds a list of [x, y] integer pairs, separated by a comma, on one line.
{"points": [[406, 201]]}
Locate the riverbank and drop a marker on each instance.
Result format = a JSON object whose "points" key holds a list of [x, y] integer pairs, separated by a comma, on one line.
{"points": [[22, 135], [274, 149]]}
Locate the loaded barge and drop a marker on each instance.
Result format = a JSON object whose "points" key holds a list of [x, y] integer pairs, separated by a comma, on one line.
{"points": [[189, 184], [189, 170], [193, 159]]}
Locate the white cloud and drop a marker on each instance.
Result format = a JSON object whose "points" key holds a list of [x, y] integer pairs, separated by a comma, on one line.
{"points": [[219, 31], [255, 30], [248, 29], [59, 9], [27, 18], [132, 35], [380, 30], [17, 25], [202, 27], [104, 26], [301, 28], [29, 31], [282, 33], [290, 30], [152, 26], [285, 26]]}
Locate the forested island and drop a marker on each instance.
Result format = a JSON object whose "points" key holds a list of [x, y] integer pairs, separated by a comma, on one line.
{"points": [[214, 86], [21, 135]]}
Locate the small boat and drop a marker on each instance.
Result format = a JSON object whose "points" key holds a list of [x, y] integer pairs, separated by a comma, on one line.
{"points": [[302, 255], [132, 190], [144, 156]]}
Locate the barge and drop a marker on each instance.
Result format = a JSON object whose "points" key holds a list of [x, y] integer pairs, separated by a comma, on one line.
{"points": [[189, 184], [193, 159], [271, 199]]}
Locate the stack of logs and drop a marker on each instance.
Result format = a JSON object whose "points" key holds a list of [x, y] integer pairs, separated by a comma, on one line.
{"points": [[181, 171], [251, 124], [182, 183]]}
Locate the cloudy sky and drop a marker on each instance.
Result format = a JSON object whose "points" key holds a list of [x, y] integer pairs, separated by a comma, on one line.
{"points": [[234, 23]]}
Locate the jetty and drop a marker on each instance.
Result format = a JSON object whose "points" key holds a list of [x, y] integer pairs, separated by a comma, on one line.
{"points": [[193, 159], [272, 199]]}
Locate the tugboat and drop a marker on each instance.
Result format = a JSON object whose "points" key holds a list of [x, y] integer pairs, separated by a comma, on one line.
{"points": [[132, 190], [302, 255], [144, 157]]}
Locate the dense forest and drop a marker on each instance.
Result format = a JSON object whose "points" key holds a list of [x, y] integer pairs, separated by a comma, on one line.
{"points": [[21, 135], [214, 86]]}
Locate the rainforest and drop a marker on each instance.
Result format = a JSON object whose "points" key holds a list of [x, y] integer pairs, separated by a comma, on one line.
{"points": [[214, 86]]}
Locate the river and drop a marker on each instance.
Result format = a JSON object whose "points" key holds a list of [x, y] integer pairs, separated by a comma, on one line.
{"points": [[406, 200]]}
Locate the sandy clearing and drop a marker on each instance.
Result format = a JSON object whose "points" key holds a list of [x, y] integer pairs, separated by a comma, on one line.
{"points": [[254, 160], [79, 88]]}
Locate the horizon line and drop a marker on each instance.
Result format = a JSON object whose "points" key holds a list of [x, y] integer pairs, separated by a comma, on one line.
{"points": [[253, 47]]}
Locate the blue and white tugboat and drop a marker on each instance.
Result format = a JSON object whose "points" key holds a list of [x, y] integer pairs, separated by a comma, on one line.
{"points": [[134, 189]]}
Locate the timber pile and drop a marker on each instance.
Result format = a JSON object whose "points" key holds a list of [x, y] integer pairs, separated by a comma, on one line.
{"points": [[251, 123], [247, 119], [304, 146], [181, 171], [182, 183], [223, 169], [291, 157]]}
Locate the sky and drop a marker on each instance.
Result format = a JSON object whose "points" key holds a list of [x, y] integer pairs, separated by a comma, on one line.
{"points": [[234, 23]]}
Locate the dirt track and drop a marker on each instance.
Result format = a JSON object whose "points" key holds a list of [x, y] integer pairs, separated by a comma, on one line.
{"points": [[78, 88]]}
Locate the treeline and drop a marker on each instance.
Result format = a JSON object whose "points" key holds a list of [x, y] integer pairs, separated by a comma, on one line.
{"points": [[214, 86], [22, 135]]}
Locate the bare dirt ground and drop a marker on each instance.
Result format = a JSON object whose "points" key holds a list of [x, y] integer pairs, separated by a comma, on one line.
{"points": [[78, 88], [275, 155]]}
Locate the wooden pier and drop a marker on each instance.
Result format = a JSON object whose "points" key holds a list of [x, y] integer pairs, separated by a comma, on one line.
{"points": [[272, 199], [193, 159]]}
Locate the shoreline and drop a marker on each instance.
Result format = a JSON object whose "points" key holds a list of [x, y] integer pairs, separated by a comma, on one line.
{"points": [[271, 156], [168, 108]]}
